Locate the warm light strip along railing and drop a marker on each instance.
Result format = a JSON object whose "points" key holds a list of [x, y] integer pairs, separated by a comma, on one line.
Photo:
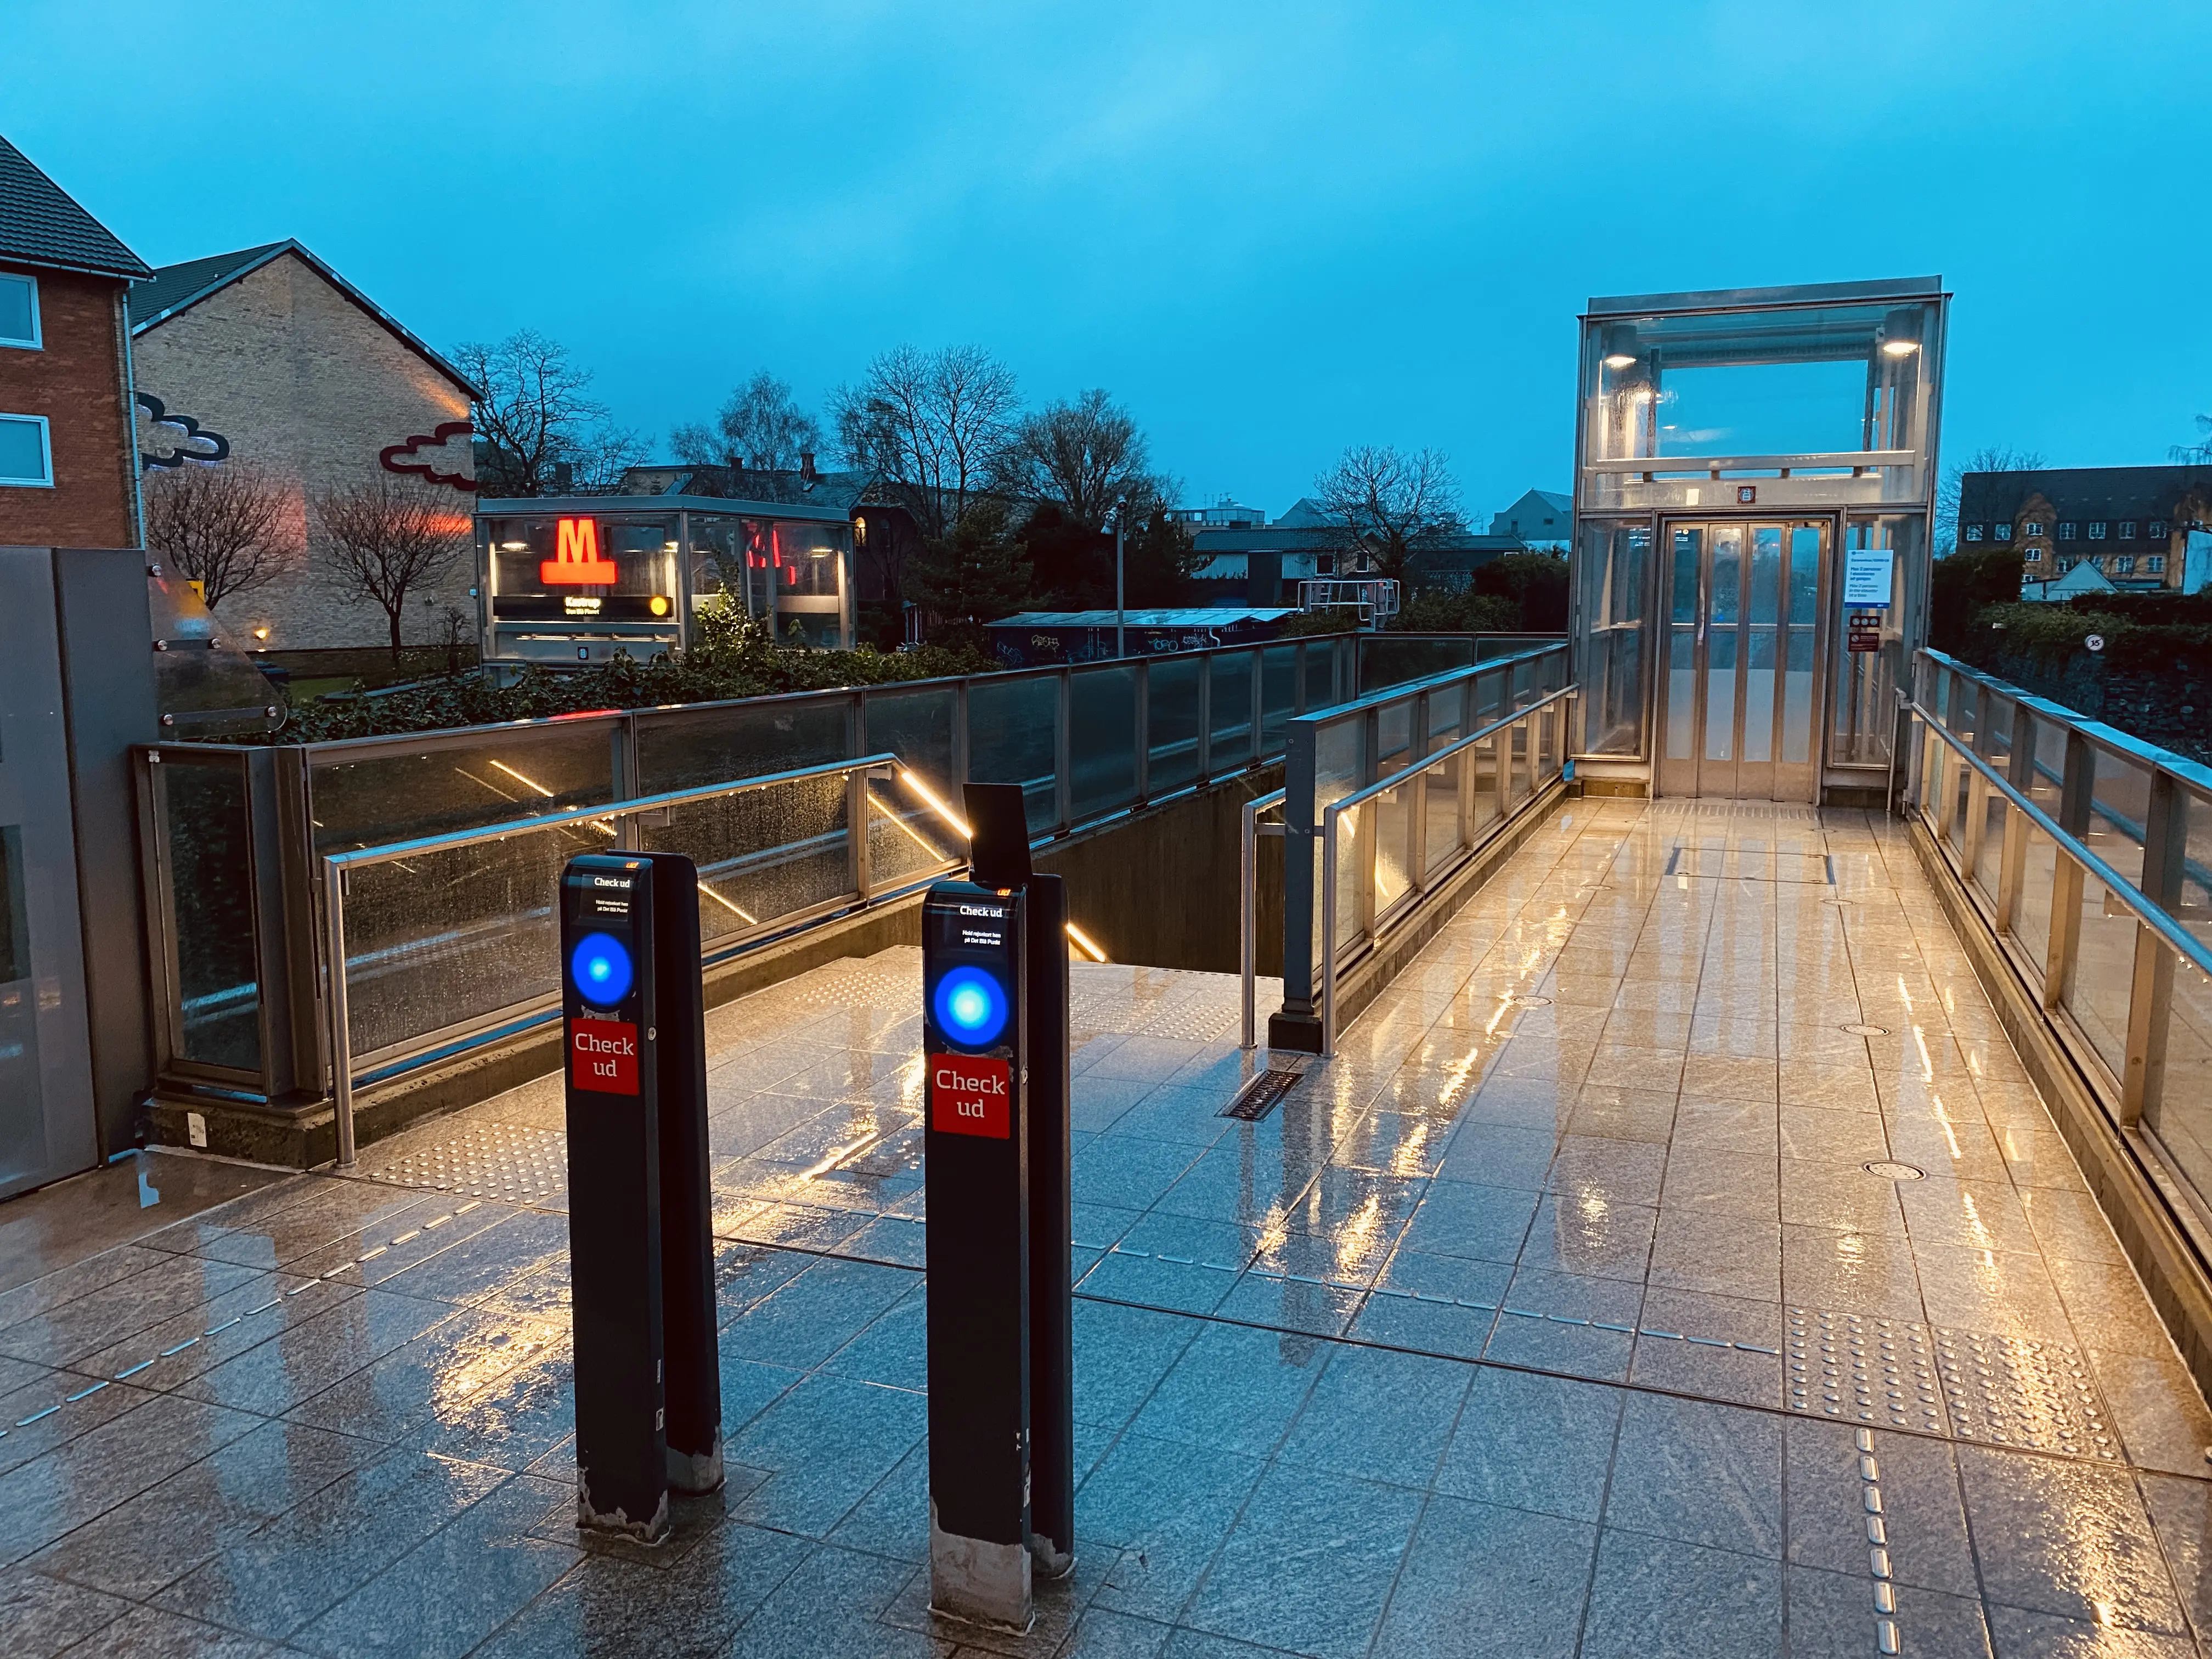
{"points": [[337, 866], [1337, 810]]}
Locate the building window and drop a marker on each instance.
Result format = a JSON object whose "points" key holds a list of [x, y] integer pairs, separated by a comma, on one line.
{"points": [[2003, 531], [26, 457], [1973, 532], [2156, 530], [2032, 527], [2122, 565], [2033, 556], [19, 310], [2155, 564], [2066, 529], [2127, 530], [2097, 530]]}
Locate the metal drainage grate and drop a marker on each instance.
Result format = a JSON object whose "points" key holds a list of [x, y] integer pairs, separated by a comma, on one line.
{"points": [[1257, 1097], [1865, 1030], [1893, 1171]]}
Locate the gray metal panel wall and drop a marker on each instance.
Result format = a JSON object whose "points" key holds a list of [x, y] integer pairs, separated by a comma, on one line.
{"points": [[107, 687]]}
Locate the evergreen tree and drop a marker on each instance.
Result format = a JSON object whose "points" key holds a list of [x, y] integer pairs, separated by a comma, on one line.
{"points": [[978, 572]]}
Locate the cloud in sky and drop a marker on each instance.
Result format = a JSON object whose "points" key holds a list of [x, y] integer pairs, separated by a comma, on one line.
{"points": [[1271, 228]]}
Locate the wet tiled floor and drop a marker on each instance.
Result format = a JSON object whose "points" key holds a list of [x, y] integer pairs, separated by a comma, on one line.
{"points": [[1559, 1314]]}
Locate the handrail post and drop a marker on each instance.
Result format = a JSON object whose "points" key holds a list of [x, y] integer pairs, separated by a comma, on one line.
{"points": [[1063, 752], [1247, 921], [2012, 865], [1206, 717], [334, 886], [857, 827], [1144, 731], [2150, 990], [1328, 934], [2076, 794]]}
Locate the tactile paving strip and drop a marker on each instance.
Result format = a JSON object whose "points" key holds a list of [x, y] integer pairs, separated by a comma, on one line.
{"points": [[487, 1160], [2013, 1392], [1971, 1385], [1863, 1369]]}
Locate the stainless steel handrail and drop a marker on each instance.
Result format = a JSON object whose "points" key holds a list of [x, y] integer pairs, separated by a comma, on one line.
{"points": [[337, 866], [1335, 809], [2149, 913]]}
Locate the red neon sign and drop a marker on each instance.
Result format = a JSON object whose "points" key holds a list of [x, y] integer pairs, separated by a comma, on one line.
{"points": [[576, 559]]}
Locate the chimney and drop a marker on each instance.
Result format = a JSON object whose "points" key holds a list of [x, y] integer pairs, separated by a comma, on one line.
{"points": [[808, 475]]}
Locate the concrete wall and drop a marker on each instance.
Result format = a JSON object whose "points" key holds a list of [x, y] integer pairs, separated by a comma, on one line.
{"points": [[308, 386], [76, 380], [1160, 888]]}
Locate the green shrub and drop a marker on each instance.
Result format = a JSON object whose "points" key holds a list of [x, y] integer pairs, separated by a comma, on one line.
{"points": [[731, 655]]}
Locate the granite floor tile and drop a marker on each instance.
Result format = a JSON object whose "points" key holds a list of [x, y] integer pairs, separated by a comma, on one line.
{"points": [[871, 1428], [2056, 1537], [1534, 1443], [1236, 1388], [1831, 1615], [1376, 1415], [44, 1615], [1654, 1598], [1166, 1505], [1480, 1580], [1308, 1564], [1698, 1473]]}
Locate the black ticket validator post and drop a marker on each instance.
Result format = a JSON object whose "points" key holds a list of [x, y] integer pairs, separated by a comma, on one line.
{"points": [[648, 1390], [995, 1159]]}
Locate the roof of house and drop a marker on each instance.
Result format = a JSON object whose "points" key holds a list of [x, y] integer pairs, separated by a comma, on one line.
{"points": [[176, 288], [1269, 538], [785, 486], [2083, 578], [2088, 492], [41, 224], [1195, 617]]}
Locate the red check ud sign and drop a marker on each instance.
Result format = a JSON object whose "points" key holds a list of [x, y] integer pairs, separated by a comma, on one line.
{"points": [[603, 1055], [970, 1095]]}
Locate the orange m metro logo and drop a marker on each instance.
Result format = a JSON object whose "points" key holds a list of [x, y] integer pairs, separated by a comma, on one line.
{"points": [[576, 562]]}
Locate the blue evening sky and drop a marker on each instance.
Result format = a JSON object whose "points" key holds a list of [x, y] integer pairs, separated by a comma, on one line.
{"points": [[1272, 229]]}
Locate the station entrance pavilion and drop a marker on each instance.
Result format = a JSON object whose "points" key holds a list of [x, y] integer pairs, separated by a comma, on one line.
{"points": [[1754, 481]]}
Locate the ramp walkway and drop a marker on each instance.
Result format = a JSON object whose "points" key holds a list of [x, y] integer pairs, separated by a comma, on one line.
{"points": [[1607, 1292]]}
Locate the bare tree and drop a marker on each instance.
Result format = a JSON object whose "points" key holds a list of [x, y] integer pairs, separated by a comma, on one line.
{"points": [[1086, 455], [2199, 453], [387, 538], [1385, 505], [229, 527], [934, 426], [544, 431], [761, 426], [1990, 457]]}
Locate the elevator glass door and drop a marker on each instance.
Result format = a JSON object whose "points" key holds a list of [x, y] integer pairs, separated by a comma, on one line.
{"points": [[1738, 695]]}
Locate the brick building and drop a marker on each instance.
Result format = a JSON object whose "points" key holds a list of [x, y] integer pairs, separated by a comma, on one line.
{"points": [[268, 357], [68, 468], [2129, 524]]}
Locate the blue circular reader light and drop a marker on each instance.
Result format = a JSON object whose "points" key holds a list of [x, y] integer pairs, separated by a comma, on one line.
{"points": [[970, 1006], [600, 968]]}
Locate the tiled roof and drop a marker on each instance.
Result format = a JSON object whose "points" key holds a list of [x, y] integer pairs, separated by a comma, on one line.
{"points": [[41, 225], [2084, 492], [179, 287], [173, 285]]}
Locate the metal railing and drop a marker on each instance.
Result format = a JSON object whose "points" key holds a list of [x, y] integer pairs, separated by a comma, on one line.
{"points": [[2089, 852], [1425, 775], [774, 854], [234, 836]]}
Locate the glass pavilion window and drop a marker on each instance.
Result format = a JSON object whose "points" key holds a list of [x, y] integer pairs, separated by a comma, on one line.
{"points": [[582, 570]]}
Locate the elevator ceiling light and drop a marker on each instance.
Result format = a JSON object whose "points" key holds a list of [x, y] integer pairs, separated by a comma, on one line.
{"points": [[1620, 359], [1900, 348]]}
